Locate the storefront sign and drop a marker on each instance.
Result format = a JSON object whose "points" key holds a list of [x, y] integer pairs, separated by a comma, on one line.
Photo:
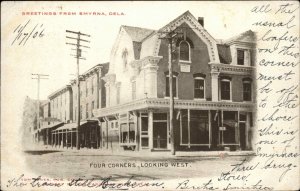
{"points": [[222, 128], [185, 68]]}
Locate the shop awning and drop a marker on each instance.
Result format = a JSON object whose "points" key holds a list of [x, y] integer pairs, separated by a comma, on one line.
{"points": [[70, 126], [53, 126]]}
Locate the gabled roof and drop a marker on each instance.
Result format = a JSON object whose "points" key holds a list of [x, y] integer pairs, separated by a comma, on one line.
{"points": [[247, 36], [137, 34]]}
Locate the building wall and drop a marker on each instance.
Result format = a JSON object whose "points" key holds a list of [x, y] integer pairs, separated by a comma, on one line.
{"points": [[61, 105], [199, 64], [92, 91]]}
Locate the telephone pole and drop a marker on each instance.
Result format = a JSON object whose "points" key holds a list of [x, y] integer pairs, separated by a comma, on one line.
{"points": [[78, 56], [39, 77], [170, 37]]}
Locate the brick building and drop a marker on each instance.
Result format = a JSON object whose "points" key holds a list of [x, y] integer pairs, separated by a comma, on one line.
{"points": [[212, 85]]}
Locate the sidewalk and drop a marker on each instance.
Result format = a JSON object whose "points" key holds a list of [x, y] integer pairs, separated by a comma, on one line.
{"points": [[142, 153]]}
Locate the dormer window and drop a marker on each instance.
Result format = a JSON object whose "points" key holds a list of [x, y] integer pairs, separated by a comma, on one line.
{"points": [[184, 51]]}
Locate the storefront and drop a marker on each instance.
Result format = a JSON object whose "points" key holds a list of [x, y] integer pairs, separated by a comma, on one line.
{"points": [[197, 126]]}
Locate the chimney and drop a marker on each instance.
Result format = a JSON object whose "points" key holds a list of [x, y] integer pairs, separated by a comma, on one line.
{"points": [[201, 21]]}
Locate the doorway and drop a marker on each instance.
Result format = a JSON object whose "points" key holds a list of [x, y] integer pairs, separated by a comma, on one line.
{"points": [[160, 135]]}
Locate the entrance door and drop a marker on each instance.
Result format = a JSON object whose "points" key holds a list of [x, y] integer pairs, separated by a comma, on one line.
{"points": [[243, 135], [160, 135]]}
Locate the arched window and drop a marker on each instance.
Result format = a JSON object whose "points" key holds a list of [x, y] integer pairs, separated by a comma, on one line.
{"points": [[184, 51]]}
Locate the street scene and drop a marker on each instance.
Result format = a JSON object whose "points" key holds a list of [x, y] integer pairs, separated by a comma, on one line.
{"points": [[89, 164]]}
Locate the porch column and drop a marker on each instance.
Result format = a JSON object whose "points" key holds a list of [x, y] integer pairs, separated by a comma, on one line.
{"points": [[189, 128], [247, 130], [238, 141], [137, 132], [209, 128], [47, 137], [106, 134], [71, 138], [67, 138], [62, 137], [215, 86], [150, 129], [222, 132]]}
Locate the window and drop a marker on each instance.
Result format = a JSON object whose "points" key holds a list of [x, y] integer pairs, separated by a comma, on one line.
{"points": [[174, 85], [92, 108], [225, 89], [240, 57], [118, 94], [133, 89], [93, 79], [112, 125], [87, 110], [247, 93], [199, 88], [184, 51]]}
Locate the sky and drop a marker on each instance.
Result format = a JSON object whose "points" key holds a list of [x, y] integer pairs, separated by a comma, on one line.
{"points": [[50, 55]]}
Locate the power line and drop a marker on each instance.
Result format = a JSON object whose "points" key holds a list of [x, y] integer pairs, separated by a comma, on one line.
{"points": [[39, 77], [78, 57]]}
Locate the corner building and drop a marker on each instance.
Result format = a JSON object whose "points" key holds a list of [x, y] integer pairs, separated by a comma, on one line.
{"points": [[213, 90]]}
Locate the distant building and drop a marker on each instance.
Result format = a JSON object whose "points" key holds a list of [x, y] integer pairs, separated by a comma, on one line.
{"points": [[212, 85]]}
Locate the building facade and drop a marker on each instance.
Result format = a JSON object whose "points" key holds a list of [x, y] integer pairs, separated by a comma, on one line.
{"points": [[213, 89], [92, 96]]}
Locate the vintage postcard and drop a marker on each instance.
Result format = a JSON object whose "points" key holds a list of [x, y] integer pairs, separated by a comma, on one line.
{"points": [[150, 95]]}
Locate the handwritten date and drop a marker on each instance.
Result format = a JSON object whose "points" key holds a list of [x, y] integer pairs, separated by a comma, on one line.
{"points": [[25, 32]]}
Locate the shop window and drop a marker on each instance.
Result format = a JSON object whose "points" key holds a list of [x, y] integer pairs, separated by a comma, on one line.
{"points": [[112, 125], [230, 124], [184, 51], [199, 131], [225, 89], [184, 127], [199, 88], [144, 132], [127, 133], [247, 90], [174, 85], [194, 127]]}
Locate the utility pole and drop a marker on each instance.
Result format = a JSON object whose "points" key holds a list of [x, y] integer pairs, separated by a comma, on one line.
{"points": [[39, 77], [78, 56], [170, 36]]}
